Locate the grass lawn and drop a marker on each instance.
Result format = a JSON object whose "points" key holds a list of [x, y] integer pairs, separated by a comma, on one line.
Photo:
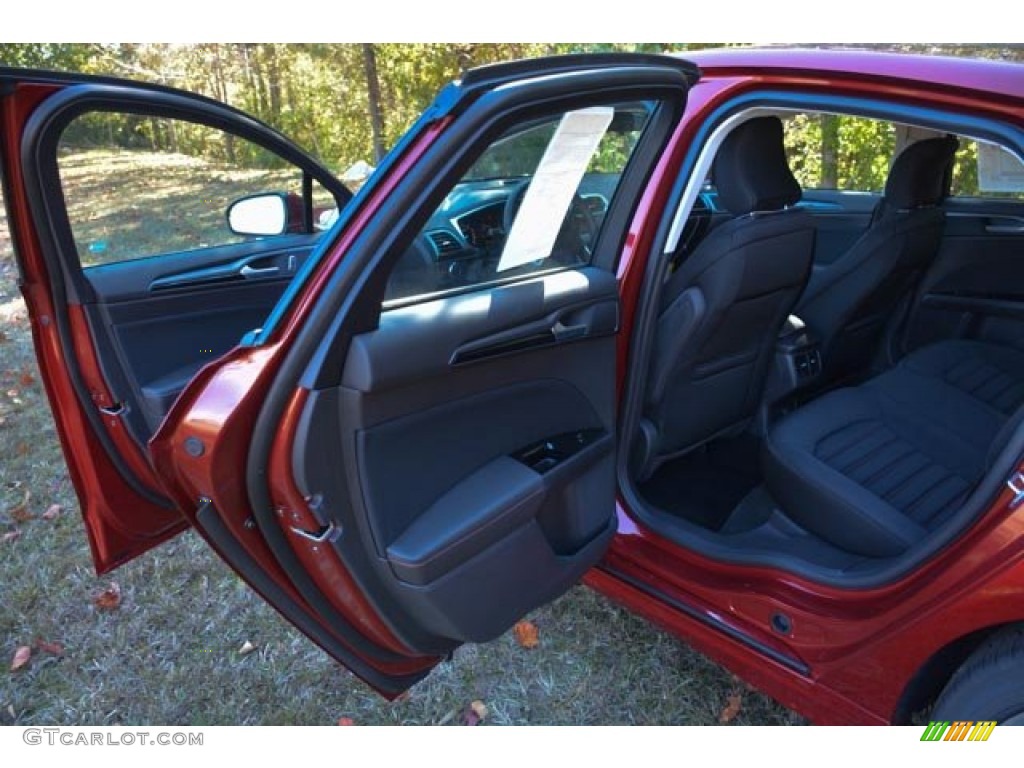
{"points": [[170, 653]]}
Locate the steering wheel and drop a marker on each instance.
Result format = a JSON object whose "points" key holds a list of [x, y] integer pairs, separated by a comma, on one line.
{"points": [[575, 238]]}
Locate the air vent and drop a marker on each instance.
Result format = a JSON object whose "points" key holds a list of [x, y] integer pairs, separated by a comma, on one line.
{"points": [[444, 242]]}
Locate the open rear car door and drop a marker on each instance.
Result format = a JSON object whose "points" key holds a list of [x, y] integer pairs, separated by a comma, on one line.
{"points": [[416, 446]]}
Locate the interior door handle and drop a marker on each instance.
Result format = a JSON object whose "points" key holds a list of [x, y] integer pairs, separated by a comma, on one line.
{"points": [[563, 332], [249, 272]]}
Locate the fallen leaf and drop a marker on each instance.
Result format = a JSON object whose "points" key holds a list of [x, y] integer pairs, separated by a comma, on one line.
{"points": [[526, 634], [731, 709], [21, 657], [20, 513], [26, 379], [22, 449], [475, 713], [109, 599], [246, 648], [53, 648], [346, 721], [4, 338], [10, 536], [52, 512]]}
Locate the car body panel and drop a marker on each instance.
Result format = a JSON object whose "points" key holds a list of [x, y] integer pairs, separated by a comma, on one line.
{"points": [[999, 79]]}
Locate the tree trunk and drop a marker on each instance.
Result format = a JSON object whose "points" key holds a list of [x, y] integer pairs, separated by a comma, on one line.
{"points": [[274, 84], [154, 134], [373, 91], [220, 92], [829, 152]]}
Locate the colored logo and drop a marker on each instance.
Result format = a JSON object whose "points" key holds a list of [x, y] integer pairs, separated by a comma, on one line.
{"points": [[961, 730]]}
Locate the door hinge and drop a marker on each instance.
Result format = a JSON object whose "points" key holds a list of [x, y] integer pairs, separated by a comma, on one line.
{"points": [[1016, 484]]}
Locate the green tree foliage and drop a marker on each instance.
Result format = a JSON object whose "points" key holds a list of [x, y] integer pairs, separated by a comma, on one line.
{"points": [[320, 95], [74, 57], [839, 152], [317, 94]]}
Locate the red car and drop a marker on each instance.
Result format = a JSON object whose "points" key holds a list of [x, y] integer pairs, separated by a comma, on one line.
{"points": [[626, 318]]}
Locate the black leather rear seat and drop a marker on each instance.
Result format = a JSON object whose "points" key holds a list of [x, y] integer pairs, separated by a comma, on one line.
{"points": [[873, 469]]}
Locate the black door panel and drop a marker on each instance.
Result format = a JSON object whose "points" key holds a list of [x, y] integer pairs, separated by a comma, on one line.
{"points": [[405, 348], [975, 287], [156, 322], [474, 476]]}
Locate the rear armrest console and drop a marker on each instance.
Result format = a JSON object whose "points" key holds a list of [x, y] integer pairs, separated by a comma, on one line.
{"points": [[797, 360]]}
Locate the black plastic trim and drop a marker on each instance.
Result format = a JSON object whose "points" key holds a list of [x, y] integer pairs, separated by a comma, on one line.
{"points": [[1009, 305], [790, 662], [492, 75]]}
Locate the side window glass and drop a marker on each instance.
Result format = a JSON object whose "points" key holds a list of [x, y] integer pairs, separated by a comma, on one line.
{"points": [[986, 170], [839, 152], [534, 200], [138, 186]]}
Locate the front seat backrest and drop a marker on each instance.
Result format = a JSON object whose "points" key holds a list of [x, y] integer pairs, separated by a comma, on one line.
{"points": [[846, 303], [723, 308]]}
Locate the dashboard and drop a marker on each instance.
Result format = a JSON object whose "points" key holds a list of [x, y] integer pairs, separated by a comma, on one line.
{"points": [[483, 227], [462, 241], [470, 220]]}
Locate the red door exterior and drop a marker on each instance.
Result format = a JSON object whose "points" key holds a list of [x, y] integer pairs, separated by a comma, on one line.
{"points": [[123, 519]]}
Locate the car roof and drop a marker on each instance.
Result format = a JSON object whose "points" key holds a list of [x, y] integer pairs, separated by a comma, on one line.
{"points": [[989, 76]]}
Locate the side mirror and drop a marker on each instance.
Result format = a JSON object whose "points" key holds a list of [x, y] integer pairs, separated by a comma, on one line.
{"points": [[263, 214]]}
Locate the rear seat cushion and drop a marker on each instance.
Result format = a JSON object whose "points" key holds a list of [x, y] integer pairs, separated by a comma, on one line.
{"points": [[987, 372], [873, 469]]}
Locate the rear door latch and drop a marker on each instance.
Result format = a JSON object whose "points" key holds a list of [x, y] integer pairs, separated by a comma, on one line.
{"points": [[1016, 484]]}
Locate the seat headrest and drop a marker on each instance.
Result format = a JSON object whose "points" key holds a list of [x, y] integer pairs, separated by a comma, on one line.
{"points": [[921, 174], [751, 172]]}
